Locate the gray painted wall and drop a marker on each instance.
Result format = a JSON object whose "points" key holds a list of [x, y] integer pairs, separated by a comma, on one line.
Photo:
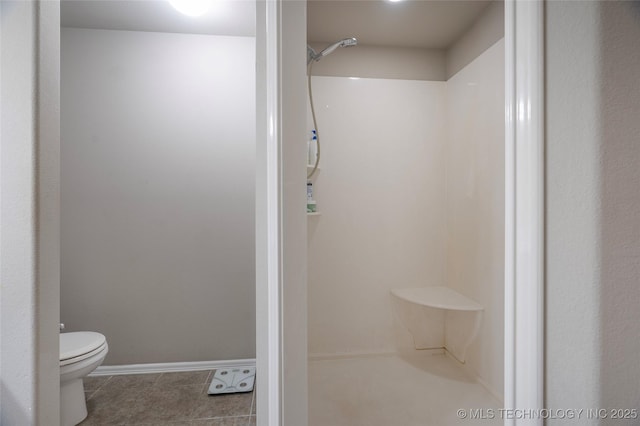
{"points": [[593, 233], [484, 33], [382, 62], [158, 178], [414, 63]]}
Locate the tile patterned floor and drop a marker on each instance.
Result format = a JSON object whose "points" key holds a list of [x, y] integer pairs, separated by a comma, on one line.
{"points": [[178, 399]]}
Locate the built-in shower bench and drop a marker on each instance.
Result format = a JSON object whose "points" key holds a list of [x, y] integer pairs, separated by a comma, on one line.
{"points": [[451, 320], [437, 297]]}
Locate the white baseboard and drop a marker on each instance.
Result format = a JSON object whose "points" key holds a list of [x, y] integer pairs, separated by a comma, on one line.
{"points": [[166, 367]]}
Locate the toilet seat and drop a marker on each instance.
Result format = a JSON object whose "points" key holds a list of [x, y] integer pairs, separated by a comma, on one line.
{"points": [[80, 345]]}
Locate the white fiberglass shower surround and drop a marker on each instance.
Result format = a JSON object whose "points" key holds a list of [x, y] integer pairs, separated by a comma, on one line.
{"points": [[410, 193]]}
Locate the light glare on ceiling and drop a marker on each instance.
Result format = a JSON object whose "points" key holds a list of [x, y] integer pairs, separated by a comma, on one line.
{"points": [[192, 8]]}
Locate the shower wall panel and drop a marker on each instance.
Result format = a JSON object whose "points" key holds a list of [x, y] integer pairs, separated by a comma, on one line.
{"points": [[475, 203], [381, 194]]}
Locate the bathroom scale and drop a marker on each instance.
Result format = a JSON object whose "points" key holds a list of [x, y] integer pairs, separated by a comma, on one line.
{"points": [[232, 380]]}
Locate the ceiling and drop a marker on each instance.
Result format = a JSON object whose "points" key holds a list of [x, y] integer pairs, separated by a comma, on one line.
{"points": [[226, 17], [411, 23]]}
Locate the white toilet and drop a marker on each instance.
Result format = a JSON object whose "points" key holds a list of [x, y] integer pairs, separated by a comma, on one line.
{"points": [[81, 352]]}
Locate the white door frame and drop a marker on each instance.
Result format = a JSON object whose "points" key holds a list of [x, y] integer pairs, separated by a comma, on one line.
{"points": [[268, 215], [524, 209], [524, 214]]}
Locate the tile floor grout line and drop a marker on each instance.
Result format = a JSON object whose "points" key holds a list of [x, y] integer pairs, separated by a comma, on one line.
{"points": [[199, 419], [236, 416], [253, 399], [208, 375], [93, 392], [157, 379]]}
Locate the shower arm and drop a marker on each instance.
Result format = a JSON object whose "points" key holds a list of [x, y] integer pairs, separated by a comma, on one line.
{"points": [[312, 55]]}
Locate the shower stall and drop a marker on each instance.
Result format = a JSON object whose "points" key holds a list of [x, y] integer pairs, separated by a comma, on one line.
{"points": [[410, 195]]}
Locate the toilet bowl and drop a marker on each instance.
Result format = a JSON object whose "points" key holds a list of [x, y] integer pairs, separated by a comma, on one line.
{"points": [[81, 352]]}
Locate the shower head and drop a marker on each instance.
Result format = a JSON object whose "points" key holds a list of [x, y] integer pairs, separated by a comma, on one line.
{"points": [[345, 42]]}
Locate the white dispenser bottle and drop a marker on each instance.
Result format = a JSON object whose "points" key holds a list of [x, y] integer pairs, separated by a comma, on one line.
{"points": [[313, 148]]}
